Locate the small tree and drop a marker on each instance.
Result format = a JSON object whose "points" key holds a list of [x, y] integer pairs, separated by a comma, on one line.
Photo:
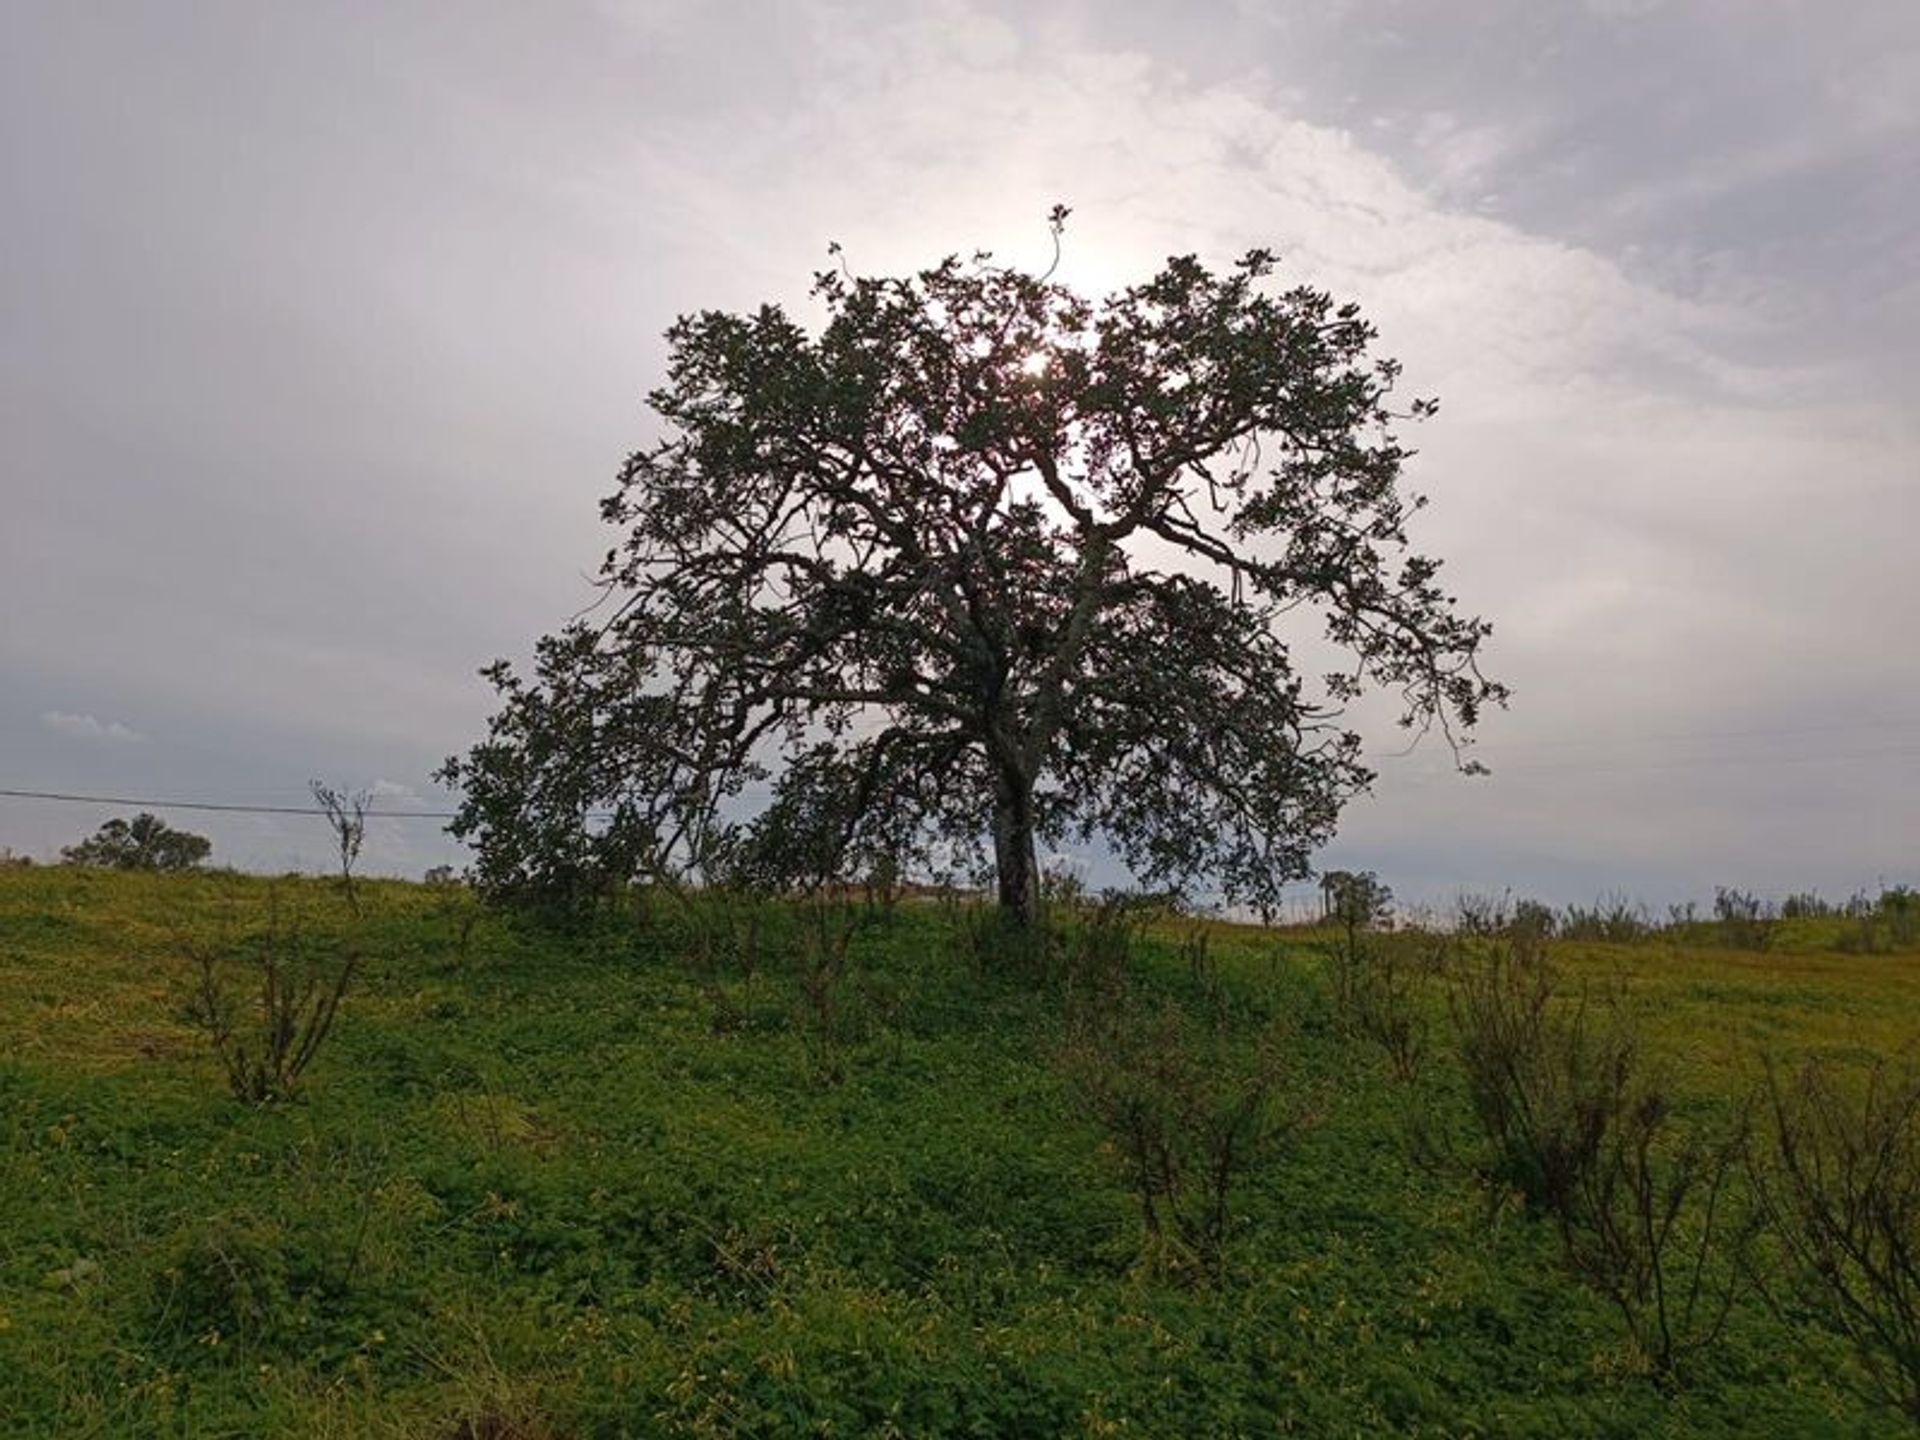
{"points": [[142, 843], [985, 564], [347, 815], [1355, 900]]}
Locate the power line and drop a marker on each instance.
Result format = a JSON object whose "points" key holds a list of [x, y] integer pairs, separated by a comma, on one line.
{"points": [[1697, 737], [222, 808]]}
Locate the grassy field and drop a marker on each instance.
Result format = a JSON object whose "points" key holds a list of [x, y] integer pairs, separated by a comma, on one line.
{"points": [[599, 1183]]}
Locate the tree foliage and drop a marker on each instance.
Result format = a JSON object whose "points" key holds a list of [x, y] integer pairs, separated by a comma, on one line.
{"points": [[985, 564], [143, 843]]}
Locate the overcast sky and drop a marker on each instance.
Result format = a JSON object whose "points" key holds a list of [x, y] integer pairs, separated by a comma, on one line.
{"points": [[324, 327]]}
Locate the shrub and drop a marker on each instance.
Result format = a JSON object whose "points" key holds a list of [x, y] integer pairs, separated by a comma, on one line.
{"points": [[826, 941], [1477, 914], [1899, 908], [1875, 924], [1659, 1227], [1096, 940], [1841, 1185], [1641, 1203], [1543, 1071], [266, 1047], [1533, 921], [1376, 984], [1807, 905], [346, 814], [1189, 1111], [228, 1279]]}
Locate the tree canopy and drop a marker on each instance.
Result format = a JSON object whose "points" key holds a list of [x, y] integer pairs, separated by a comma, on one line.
{"points": [[983, 565], [145, 842]]}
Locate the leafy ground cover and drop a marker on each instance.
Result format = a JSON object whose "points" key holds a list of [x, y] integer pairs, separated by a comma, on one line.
{"points": [[625, 1179]]}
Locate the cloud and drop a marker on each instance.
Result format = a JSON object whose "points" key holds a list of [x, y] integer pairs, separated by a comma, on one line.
{"points": [[1657, 267], [392, 790], [86, 727]]}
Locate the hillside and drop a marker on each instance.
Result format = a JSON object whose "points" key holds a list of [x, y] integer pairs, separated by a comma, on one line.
{"points": [[658, 1177]]}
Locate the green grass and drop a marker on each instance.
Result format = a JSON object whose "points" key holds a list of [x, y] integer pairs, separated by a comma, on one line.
{"points": [[546, 1183]]}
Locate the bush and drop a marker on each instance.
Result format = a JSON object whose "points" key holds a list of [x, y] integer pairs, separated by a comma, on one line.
{"points": [[229, 1280], [1533, 921], [1876, 924], [1189, 1112], [1807, 905], [1641, 1203], [1841, 1185], [1659, 1227], [826, 941], [1899, 909], [1376, 982], [265, 1048], [1543, 1070]]}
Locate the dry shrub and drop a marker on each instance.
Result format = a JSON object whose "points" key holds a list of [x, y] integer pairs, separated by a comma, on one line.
{"points": [[298, 987], [1661, 1226], [1188, 1111], [1644, 1203], [1378, 984], [1840, 1182]]}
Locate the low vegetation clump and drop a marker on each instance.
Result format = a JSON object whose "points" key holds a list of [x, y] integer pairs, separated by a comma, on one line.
{"points": [[727, 1163]]}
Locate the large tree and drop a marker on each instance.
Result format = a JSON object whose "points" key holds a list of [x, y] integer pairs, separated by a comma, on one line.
{"points": [[984, 564]]}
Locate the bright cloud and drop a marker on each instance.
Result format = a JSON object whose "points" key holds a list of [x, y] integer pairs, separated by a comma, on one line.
{"points": [[87, 727]]}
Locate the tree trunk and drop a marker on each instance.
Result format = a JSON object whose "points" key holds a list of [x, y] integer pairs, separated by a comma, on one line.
{"points": [[1015, 853]]}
